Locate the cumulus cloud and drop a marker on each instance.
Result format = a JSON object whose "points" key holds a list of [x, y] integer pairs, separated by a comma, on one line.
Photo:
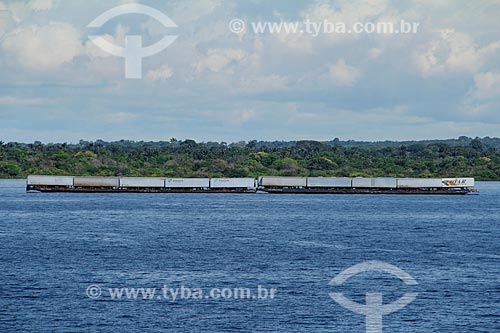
{"points": [[374, 53], [162, 73], [483, 97], [218, 59], [118, 38], [343, 74], [481, 102], [19, 11], [453, 51], [487, 84], [296, 42], [43, 48]]}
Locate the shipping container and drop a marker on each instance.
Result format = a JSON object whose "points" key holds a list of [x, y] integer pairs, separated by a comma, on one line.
{"points": [[457, 182], [419, 182], [283, 181], [232, 183], [96, 182], [187, 183], [142, 182], [361, 182], [328, 182], [51, 180], [384, 182]]}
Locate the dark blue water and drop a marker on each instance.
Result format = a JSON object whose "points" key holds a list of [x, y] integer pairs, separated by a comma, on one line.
{"points": [[53, 246]]}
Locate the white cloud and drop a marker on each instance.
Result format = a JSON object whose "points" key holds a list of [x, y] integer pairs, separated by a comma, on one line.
{"points": [[43, 48], [118, 38], [19, 11], [482, 99], [218, 59], [374, 53], [343, 74], [162, 73], [453, 51], [296, 41], [487, 84]]}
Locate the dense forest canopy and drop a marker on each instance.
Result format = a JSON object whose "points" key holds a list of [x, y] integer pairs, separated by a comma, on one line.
{"points": [[462, 157]]}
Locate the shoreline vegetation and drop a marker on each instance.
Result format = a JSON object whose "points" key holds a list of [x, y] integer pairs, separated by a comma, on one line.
{"points": [[462, 157]]}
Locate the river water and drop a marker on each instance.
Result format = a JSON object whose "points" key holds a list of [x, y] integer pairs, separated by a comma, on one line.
{"points": [[63, 255]]}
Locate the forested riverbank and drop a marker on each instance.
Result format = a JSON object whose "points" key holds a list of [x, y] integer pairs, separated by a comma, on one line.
{"points": [[479, 158]]}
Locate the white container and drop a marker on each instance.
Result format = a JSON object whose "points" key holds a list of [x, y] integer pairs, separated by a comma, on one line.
{"points": [[96, 181], [232, 183], [283, 181], [142, 182], [384, 182], [50, 180], [362, 182], [457, 182], [328, 182], [419, 182], [187, 183]]}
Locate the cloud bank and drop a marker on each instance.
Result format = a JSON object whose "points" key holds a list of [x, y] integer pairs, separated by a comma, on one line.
{"points": [[212, 84]]}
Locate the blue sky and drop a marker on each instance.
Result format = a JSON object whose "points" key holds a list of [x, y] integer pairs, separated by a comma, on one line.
{"points": [[215, 85]]}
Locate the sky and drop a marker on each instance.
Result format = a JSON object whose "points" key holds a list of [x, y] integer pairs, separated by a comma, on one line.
{"points": [[214, 84]]}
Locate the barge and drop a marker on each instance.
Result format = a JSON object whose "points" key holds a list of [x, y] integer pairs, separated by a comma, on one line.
{"points": [[266, 184]]}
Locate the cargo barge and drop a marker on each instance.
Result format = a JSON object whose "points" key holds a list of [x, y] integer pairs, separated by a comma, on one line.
{"points": [[266, 184], [359, 185]]}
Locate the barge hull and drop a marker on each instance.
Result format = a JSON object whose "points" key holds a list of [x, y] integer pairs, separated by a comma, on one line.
{"points": [[56, 189], [370, 191]]}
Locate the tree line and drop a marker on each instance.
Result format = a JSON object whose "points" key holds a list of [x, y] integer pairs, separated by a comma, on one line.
{"points": [[473, 158]]}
